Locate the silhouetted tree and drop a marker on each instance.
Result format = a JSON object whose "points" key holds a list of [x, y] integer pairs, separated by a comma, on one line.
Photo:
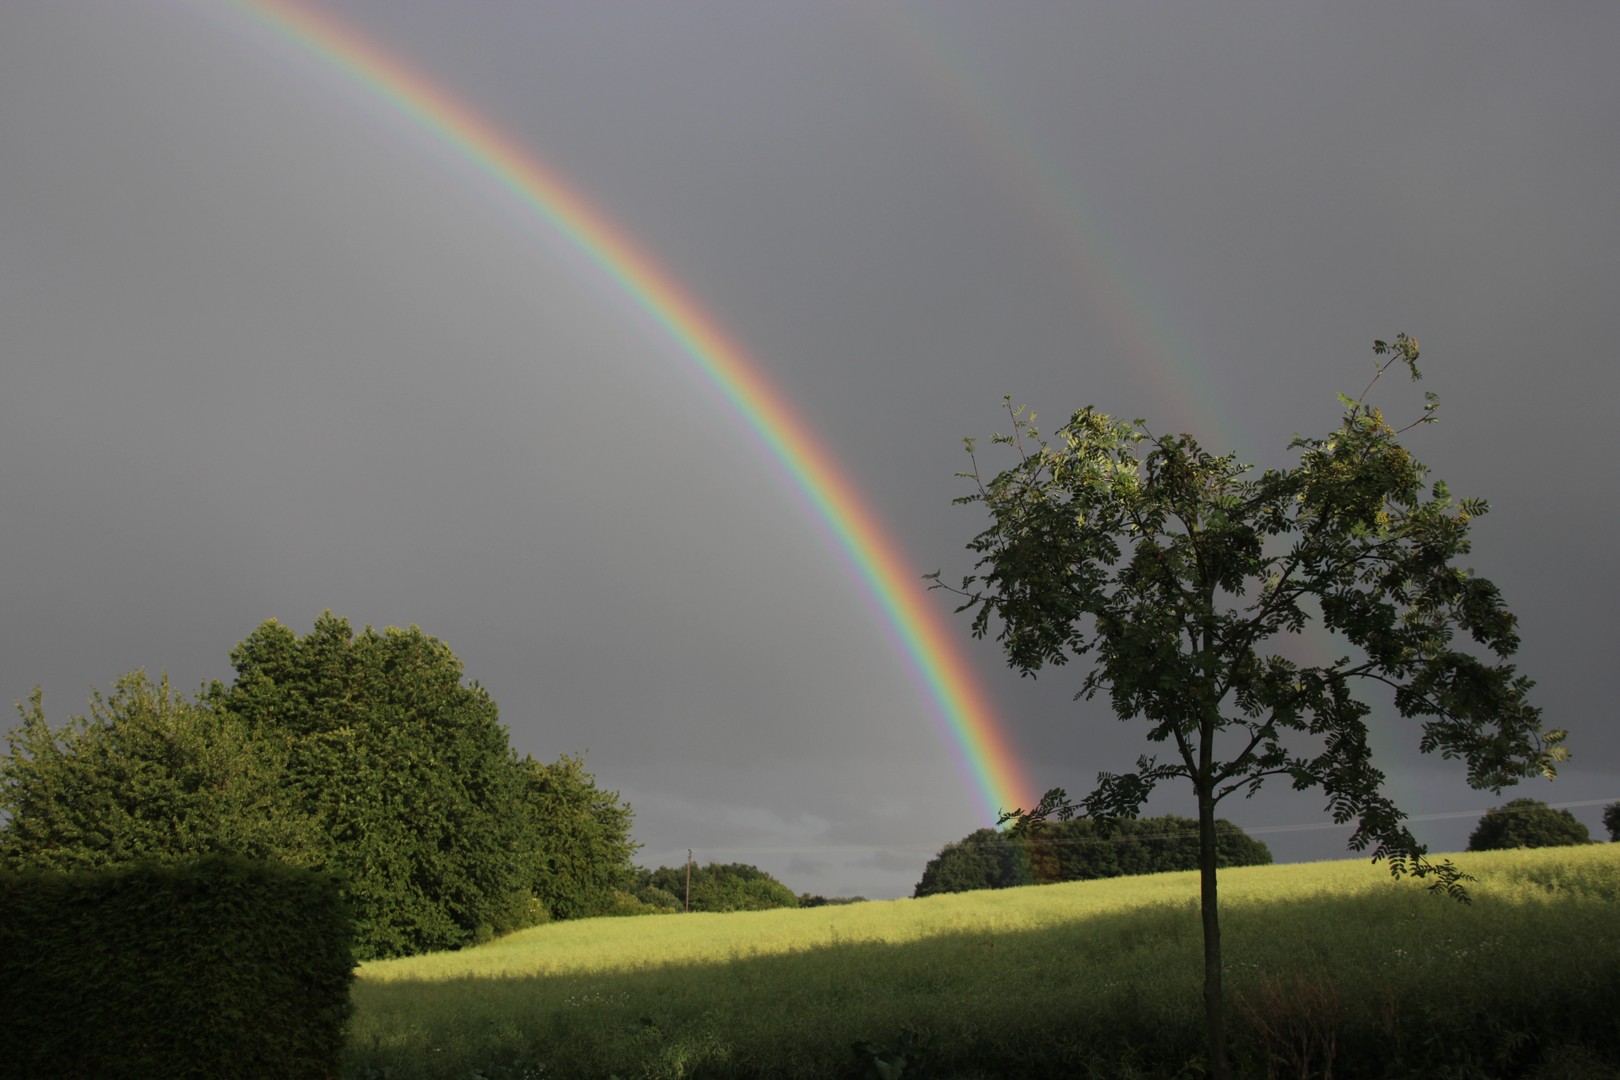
{"points": [[1526, 823], [1171, 571], [1081, 849]]}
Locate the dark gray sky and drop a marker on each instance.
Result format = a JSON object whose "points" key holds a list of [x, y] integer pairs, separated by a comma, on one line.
{"points": [[266, 349]]}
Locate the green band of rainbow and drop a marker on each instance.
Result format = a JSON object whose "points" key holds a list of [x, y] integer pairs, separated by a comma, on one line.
{"points": [[975, 732]]}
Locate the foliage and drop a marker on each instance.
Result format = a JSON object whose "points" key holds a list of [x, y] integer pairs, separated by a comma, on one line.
{"points": [[1173, 573], [1081, 849], [220, 967], [147, 775], [720, 887], [361, 754], [906, 1055], [642, 902], [784, 993], [1526, 823], [810, 900], [406, 770], [1611, 820], [578, 837], [981, 860]]}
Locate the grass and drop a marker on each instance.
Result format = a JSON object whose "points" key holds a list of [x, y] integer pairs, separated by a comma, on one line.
{"points": [[1332, 969]]}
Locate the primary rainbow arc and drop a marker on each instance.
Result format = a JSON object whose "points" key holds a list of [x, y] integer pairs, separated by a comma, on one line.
{"points": [[975, 731]]}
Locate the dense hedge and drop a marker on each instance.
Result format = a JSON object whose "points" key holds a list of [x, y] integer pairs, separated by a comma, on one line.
{"points": [[216, 968]]}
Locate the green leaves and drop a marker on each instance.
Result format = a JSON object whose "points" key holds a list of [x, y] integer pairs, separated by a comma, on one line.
{"points": [[146, 774], [1176, 574], [360, 754]]}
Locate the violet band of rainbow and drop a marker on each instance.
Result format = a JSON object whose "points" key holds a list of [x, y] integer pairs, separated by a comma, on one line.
{"points": [[975, 732]]}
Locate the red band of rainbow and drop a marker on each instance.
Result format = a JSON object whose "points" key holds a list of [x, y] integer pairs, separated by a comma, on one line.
{"points": [[920, 623]]}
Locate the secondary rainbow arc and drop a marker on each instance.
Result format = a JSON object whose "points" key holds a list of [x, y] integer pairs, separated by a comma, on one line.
{"points": [[975, 731]]}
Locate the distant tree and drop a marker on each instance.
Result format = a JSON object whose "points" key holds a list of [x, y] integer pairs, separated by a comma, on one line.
{"points": [[419, 801], [1527, 823], [810, 900], [1171, 572], [1081, 849], [719, 887], [146, 775], [578, 839], [1611, 820], [981, 860]]}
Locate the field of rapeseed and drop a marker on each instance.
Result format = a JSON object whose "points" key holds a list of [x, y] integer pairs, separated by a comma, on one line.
{"points": [[1333, 969]]}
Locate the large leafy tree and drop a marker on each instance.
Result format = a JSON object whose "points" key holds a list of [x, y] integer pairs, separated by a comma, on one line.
{"points": [[146, 775], [407, 772], [1177, 575], [1522, 823]]}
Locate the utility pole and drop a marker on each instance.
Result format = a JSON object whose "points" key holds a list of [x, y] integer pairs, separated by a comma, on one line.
{"points": [[688, 881]]}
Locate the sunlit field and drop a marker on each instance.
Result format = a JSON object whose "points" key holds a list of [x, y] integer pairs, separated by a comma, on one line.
{"points": [[1325, 961]]}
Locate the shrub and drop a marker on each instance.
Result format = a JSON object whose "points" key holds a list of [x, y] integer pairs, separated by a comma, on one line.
{"points": [[216, 968]]}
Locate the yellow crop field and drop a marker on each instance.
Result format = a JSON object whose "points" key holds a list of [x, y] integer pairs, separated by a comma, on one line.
{"points": [[1333, 969]]}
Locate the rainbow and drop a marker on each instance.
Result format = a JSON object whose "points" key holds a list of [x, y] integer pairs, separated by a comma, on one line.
{"points": [[987, 757]]}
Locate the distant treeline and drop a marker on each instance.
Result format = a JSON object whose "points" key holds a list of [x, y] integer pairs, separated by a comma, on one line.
{"points": [[716, 887], [1080, 850]]}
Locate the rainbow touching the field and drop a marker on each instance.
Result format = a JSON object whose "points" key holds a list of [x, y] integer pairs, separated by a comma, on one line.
{"points": [[918, 622]]}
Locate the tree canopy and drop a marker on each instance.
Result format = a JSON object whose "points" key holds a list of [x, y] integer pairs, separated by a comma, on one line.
{"points": [[1611, 820], [364, 755], [1524, 823], [145, 775], [1174, 574], [1081, 849], [716, 887]]}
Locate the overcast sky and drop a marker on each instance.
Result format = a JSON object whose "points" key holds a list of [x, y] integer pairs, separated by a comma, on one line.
{"points": [[266, 349]]}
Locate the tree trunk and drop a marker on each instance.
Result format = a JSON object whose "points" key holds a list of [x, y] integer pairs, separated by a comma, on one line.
{"points": [[1214, 1014]]}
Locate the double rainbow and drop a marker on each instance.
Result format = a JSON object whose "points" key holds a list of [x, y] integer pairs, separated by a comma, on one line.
{"points": [[974, 730]]}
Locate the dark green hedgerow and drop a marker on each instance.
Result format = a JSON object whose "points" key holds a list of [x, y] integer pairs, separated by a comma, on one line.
{"points": [[217, 968]]}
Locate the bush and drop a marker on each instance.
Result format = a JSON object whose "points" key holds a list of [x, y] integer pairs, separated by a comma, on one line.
{"points": [[216, 968], [1527, 823]]}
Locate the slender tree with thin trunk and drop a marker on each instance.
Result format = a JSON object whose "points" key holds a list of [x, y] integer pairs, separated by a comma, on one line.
{"points": [[1177, 575]]}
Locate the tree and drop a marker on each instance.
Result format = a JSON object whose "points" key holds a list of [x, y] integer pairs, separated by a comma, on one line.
{"points": [[1611, 820], [1172, 572], [578, 837], [980, 860], [408, 773], [1524, 823], [718, 887], [146, 775], [1081, 849]]}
